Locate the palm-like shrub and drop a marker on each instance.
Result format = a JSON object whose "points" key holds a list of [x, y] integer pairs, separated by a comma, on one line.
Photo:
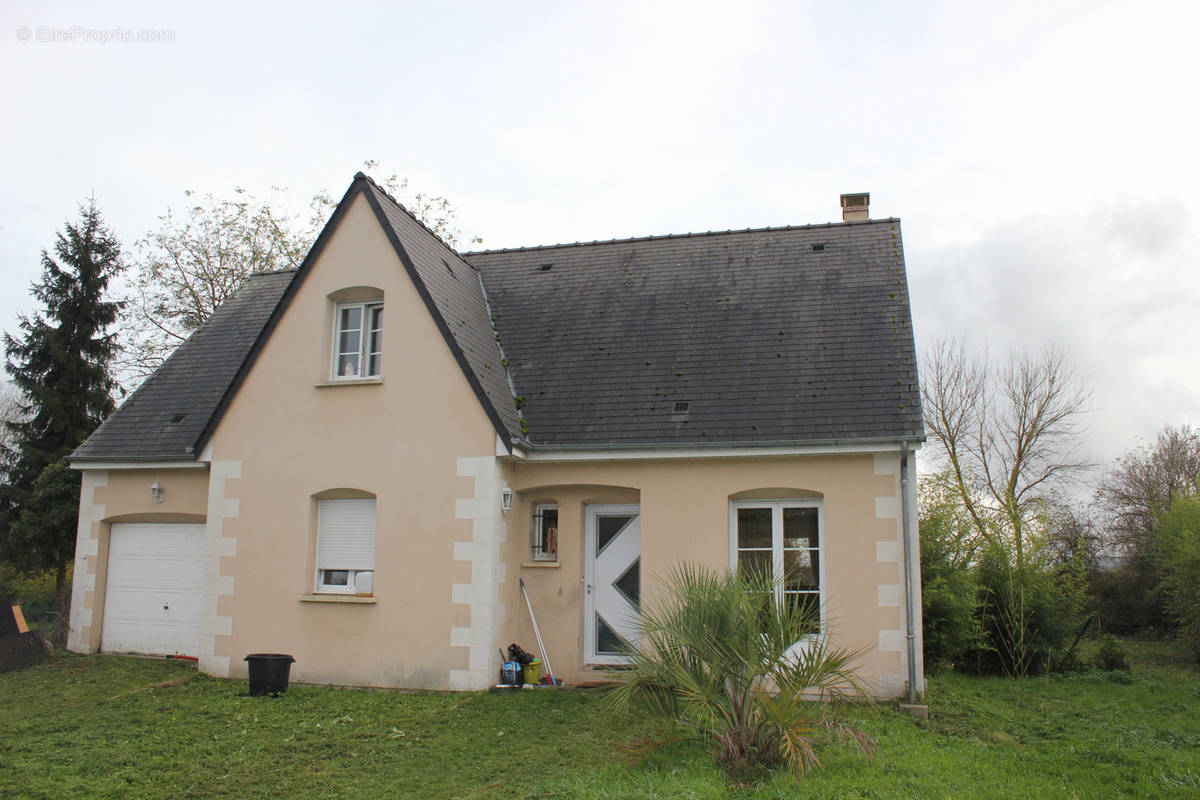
{"points": [[717, 662]]}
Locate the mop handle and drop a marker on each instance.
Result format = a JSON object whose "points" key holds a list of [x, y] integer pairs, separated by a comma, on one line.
{"points": [[537, 631], [538, 634]]}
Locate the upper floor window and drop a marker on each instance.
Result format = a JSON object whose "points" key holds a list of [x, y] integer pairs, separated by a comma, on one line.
{"points": [[358, 340]]}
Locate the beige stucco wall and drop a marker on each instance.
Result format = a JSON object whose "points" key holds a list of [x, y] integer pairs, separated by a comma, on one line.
{"points": [[685, 506], [287, 437], [122, 495]]}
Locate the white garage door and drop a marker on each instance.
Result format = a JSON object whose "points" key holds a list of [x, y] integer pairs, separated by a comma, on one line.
{"points": [[152, 599]]}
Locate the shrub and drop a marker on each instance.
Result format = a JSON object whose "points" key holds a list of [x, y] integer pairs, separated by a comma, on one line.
{"points": [[951, 626], [1177, 549], [33, 591], [949, 590], [1026, 615], [1111, 654], [949, 595], [716, 662], [1068, 661]]}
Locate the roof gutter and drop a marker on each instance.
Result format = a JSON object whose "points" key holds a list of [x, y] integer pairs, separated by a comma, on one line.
{"points": [[582, 452], [135, 463]]}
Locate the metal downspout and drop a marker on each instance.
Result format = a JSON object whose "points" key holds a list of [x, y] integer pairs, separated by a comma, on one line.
{"points": [[910, 611]]}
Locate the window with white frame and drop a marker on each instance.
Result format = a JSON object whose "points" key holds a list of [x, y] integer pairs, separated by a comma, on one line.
{"points": [[345, 546], [783, 539], [544, 539], [358, 340]]}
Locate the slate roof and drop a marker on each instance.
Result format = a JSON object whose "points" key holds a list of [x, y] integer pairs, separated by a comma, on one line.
{"points": [[166, 417], [774, 336], [781, 335]]}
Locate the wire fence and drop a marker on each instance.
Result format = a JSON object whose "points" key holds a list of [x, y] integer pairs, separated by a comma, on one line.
{"points": [[1122, 635], [53, 627]]}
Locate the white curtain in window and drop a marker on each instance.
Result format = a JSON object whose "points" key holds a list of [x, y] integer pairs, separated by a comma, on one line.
{"points": [[346, 534]]}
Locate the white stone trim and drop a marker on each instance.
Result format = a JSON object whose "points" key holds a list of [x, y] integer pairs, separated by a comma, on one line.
{"points": [[891, 685], [887, 464], [887, 508], [891, 641], [217, 546], [891, 595], [87, 547], [488, 572], [888, 551]]}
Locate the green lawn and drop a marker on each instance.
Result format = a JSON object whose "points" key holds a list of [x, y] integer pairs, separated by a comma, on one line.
{"points": [[78, 727]]}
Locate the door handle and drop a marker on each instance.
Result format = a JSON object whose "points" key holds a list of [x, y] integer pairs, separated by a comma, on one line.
{"points": [[166, 607]]}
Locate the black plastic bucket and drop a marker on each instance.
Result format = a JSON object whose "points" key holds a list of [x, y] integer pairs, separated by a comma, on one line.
{"points": [[269, 673]]}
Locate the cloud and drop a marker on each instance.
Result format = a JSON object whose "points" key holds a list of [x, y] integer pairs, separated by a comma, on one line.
{"points": [[1114, 284]]}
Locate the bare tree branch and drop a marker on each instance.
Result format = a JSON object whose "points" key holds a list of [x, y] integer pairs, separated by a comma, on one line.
{"points": [[1142, 485], [198, 258], [1010, 435]]}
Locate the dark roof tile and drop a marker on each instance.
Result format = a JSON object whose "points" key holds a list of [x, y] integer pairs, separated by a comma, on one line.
{"points": [[190, 385], [770, 340]]}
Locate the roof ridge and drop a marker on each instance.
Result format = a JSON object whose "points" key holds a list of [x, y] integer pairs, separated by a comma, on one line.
{"points": [[654, 237], [362, 175], [272, 272]]}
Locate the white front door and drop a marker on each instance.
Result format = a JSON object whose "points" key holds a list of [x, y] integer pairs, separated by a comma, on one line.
{"points": [[613, 591], [153, 593]]}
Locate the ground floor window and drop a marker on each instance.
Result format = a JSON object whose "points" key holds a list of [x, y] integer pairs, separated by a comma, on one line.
{"points": [[783, 539], [346, 546], [544, 534]]}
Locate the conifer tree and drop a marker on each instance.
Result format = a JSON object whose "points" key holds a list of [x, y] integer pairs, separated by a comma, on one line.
{"points": [[60, 366]]}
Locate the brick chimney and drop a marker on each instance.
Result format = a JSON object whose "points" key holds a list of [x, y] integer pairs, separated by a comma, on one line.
{"points": [[855, 207]]}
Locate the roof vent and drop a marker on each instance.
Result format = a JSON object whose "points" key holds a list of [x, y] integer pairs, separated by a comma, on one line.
{"points": [[681, 407], [545, 267], [178, 418], [818, 247], [855, 207]]}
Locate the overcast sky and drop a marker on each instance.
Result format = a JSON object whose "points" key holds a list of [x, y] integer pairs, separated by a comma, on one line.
{"points": [[1041, 155]]}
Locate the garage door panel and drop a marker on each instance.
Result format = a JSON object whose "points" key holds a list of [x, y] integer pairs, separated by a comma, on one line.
{"points": [[153, 601], [158, 572]]}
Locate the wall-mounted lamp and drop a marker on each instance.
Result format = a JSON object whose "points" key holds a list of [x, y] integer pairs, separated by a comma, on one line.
{"points": [[157, 492], [506, 499]]}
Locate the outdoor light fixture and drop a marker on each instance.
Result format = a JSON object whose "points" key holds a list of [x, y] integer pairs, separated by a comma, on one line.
{"points": [[506, 499], [156, 492]]}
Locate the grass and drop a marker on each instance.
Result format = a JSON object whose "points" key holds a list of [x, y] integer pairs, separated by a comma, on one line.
{"points": [[89, 727]]}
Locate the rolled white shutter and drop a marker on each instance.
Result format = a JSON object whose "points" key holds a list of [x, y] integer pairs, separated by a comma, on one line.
{"points": [[346, 534]]}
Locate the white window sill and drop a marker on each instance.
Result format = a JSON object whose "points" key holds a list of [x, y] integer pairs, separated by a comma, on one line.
{"points": [[337, 598], [349, 382], [540, 564]]}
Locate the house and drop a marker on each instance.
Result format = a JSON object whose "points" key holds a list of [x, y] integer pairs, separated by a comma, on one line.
{"points": [[355, 462]]}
